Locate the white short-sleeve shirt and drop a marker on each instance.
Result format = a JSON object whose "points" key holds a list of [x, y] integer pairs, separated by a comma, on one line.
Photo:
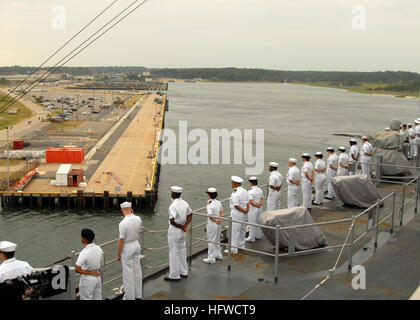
{"points": [[12, 268], [130, 227], [214, 207], [179, 210], [307, 167], [319, 165], [90, 258], [293, 174], [354, 150]]}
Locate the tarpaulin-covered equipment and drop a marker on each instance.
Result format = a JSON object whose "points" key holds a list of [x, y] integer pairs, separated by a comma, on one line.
{"points": [[357, 190], [306, 238]]}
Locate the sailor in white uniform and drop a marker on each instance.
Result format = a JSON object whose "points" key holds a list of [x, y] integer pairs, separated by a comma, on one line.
{"points": [[180, 215], [274, 187], [320, 168], [239, 208], [307, 177], [366, 153], [343, 162], [256, 199], [411, 137], [353, 157], [89, 265], [293, 182], [417, 138], [11, 268], [129, 252], [214, 223], [332, 167]]}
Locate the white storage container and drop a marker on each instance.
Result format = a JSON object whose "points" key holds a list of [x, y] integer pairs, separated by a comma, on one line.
{"points": [[61, 177]]}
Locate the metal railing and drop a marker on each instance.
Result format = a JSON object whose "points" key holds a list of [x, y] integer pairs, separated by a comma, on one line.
{"points": [[349, 242]]}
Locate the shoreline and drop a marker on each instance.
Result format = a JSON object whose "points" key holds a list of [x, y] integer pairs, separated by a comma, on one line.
{"points": [[358, 89]]}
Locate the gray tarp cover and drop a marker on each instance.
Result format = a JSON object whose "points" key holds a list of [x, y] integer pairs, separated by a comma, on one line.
{"points": [[389, 145], [355, 190], [306, 238]]}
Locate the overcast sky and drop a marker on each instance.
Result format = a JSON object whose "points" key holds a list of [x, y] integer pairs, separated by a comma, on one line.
{"points": [[272, 34]]}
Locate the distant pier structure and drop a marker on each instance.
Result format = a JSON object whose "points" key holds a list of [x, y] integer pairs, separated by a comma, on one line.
{"points": [[123, 86], [136, 169]]}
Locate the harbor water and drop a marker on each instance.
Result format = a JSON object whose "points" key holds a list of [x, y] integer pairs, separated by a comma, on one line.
{"points": [[295, 119]]}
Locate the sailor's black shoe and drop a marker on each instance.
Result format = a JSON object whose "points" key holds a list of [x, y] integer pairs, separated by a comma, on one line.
{"points": [[170, 279]]}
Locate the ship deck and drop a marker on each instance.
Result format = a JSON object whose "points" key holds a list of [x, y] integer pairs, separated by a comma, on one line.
{"points": [[391, 268]]}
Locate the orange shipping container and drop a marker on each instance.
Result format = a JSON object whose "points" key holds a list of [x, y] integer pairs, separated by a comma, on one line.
{"points": [[65, 155]]}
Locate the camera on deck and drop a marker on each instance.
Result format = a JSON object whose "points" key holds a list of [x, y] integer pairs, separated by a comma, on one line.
{"points": [[42, 284]]}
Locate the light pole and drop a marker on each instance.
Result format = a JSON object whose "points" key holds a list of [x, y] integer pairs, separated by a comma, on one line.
{"points": [[8, 165]]}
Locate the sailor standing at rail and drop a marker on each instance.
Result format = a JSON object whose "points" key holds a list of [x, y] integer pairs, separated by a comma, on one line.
{"points": [[320, 168], [89, 265], [366, 155], [11, 268], [256, 199], [274, 186], [412, 136], [180, 215], [417, 138], [293, 182], [306, 181], [129, 252], [214, 212], [239, 208], [332, 167], [343, 162], [353, 157]]}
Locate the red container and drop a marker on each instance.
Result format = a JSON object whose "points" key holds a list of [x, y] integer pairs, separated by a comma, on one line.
{"points": [[18, 144], [65, 155]]}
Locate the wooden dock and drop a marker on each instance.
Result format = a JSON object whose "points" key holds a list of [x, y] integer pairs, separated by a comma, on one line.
{"points": [[132, 161]]}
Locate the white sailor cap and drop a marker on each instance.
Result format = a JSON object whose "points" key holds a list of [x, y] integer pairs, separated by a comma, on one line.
{"points": [[273, 164], [125, 205], [330, 149], [7, 246], [364, 138], [342, 148], [353, 140], [252, 179], [305, 155], [237, 179], [211, 190], [176, 189], [409, 124], [388, 129], [292, 160], [416, 121], [318, 153]]}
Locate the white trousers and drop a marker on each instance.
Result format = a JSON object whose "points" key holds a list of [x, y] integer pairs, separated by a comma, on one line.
{"points": [[177, 253], [306, 193], [319, 188], [131, 271], [213, 234], [416, 142], [273, 200], [254, 232], [90, 288], [366, 165], [238, 231], [330, 175], [292, 196]]}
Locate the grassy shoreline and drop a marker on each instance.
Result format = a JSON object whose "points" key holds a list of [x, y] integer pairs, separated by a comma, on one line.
{"points": [[364, 87]]}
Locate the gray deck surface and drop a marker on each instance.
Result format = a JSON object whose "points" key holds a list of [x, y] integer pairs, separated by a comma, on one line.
{"points": [[391, 269]]}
